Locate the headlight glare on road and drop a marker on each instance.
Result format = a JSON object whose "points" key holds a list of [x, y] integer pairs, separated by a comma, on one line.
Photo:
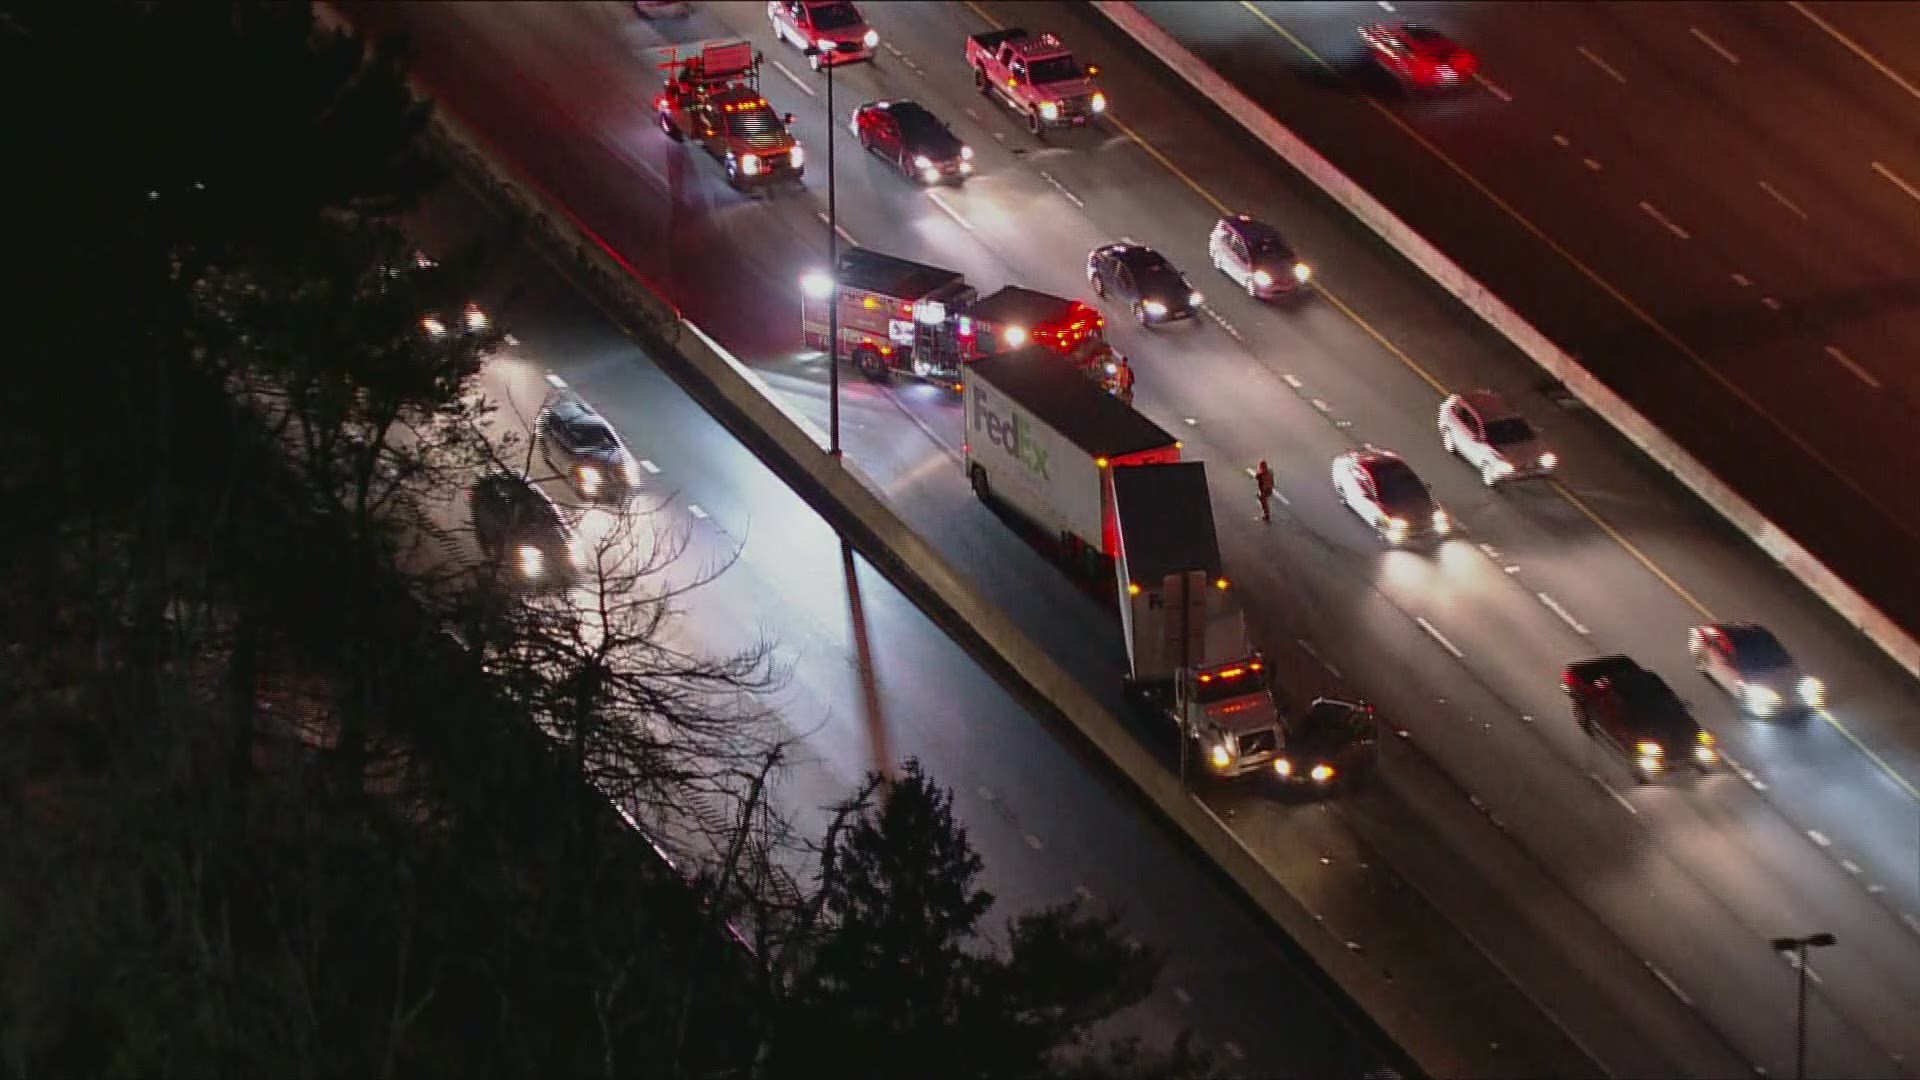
{"points": [[1220, 756], [1321, 773], [1302, 272], [1049, 111], [1262, 279], [1549, 460], [1442, 524], [1154, 308], [589, 480], [817, 284], [533, 562], [872, 40], [1283, 767], [1099, 103], [1761, 700]]}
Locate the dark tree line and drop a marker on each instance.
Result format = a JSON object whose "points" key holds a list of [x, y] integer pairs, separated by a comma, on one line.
{"points": [[281, 797]]}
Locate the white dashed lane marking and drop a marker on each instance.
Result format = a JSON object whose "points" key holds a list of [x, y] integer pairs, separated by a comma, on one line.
{"points": [[1672, 987], [1783, 200], [556, 381], [1602, 65], [651, 468], [1742, 280], [1819, 837], [950, 211], [1565, 615], [1062, 189], [1617, 797], [1182, 996], [1654, 213], [1493, 88], [1725, 53], [841, 229], [1439, 637], [795, 79], [1847, 362]]}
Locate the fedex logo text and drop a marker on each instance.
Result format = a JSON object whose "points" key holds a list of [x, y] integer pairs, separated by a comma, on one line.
{"points": [[1015, 436]]}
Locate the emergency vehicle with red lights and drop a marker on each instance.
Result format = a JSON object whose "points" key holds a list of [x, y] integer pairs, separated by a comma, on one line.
{"points": [[713, 98], [902, 316]]}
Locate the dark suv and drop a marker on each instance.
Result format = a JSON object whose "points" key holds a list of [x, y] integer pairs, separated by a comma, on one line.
{"points": [[1617, 700], [519, 527], [1333, 744]]}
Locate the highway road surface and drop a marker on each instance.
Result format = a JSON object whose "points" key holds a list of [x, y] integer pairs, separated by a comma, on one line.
{"points": [[870, 682], [1714, 205], [1638, 916]]}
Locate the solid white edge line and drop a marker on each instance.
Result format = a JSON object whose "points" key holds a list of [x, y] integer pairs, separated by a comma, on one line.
{"points": [[1439, 637]]}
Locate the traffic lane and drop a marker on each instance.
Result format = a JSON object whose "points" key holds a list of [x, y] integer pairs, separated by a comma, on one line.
{"points": [[1785, 211], [1792, 488], [1047, 836]]}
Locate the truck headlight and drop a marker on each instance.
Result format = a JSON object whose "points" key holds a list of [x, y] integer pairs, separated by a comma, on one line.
{"points": [[630, 473], [1761, 700], [1813, 693], [1647, 748], [750, 164], [1549, 460], [1262, 278], [433, 326], [1220, 756], [1302, 272], [1442, 524], [797, 156], [1154, 308], [872, 39], [533, 562], [1194, 299], [1704, 754], [1099, 102], [589, 480], [1049, 111], [921, 161], [1321, 773], [1283, 767], [477, 320], [1396, 529], [966, 153]]}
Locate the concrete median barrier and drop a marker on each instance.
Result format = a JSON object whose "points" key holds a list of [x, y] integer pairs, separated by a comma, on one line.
{"points": [[1788, 553]]}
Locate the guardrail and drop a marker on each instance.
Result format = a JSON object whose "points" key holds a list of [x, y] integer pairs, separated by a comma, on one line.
{"points": [[842, 493], [1783, 549]]}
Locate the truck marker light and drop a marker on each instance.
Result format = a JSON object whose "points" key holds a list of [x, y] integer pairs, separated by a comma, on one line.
{"points": [[1221, 583], [1099, 463], [1133, 588], [870, 303]]}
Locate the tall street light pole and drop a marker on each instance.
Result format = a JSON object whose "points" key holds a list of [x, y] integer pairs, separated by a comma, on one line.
{"points": [[1798, 946], [833, 271]]}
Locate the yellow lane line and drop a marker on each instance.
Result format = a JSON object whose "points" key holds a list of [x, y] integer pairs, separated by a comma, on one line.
{"points": [[1603, 284], [1414, 366]]}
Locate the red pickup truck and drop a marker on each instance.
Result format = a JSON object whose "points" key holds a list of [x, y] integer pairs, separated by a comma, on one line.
{"points": [[1037, 77]]}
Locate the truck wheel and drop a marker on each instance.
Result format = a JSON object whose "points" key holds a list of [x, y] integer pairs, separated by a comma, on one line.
{"points": [[667, 127], [1035, 125], [982, 487], [868, 360], [980, 79]]}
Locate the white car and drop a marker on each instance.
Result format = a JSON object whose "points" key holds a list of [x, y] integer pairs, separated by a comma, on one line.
{"points": [[830, 32], [1498, 442], [1388, 495], [1750, 664]]}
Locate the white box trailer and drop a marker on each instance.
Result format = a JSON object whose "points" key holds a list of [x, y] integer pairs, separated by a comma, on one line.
{"points": [[1041, 439]]}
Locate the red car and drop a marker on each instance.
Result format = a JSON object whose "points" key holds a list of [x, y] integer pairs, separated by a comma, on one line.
{"points": [[1420, 57]]}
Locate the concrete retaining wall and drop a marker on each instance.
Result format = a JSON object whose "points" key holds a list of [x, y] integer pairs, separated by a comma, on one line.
{"points": [[1783, 549]]}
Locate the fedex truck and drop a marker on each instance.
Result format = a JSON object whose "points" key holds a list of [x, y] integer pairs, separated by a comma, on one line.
{"points": [[1041, 439]]}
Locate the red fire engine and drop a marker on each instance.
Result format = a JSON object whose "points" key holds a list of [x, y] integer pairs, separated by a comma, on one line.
{"points": [[713, 98], [897, 315]]}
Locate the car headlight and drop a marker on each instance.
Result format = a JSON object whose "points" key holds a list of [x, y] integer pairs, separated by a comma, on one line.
{"points": [[433, 326], [797, 156], [966, 153], [630, 473], [1194, 299], [750, 164], [1442, 524], [1703, 751], [1501, 467], [1099, 103], [1154, 308], [871, 39], [1813, 693], [1283, 767], [1049, 110], [1761, 700], [1647, 748], [921, 161], [1014, 336], [1396, 529], [1262, 278], [1220, 756], [1321, 773], [476, 319], [1301, 272], [966, 168], [533, 562], [589, 479], [1549, 460]]}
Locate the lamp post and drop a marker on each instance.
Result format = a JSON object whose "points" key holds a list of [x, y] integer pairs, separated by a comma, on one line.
{"points": [[1798, 946], [833, 267]]}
